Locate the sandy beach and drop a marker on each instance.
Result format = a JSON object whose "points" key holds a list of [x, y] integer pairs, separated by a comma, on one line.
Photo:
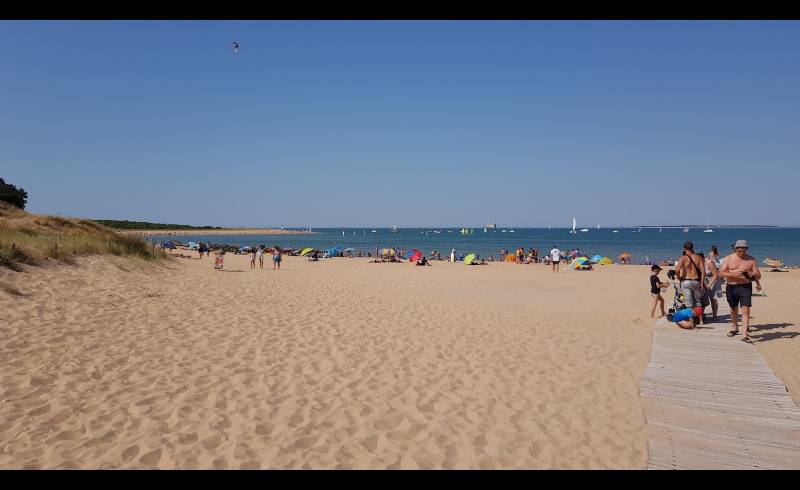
{"points": [[216, 232], [116, 363]]}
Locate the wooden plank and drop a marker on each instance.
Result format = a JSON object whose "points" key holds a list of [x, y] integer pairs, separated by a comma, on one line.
{"points": [[712, 402]]}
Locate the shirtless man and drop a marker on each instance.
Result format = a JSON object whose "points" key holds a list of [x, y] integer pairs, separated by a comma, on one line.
{"points": [[739, 269], [691, 270]]}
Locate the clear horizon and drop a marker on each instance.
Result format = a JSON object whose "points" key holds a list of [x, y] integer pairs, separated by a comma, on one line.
{"points": [[412, 123]]}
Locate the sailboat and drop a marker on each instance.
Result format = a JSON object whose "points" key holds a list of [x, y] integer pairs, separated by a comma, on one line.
{"points": [[686, 229], [394, 229], [598, 226], [573, 226], [614, 231], [659, 230], [511, 230], [708, 228], [484, 229]]}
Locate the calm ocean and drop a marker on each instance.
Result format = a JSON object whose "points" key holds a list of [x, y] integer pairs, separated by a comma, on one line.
{"points": [[783, 243]]}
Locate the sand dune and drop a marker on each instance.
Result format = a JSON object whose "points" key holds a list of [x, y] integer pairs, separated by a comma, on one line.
{"points": [[337, 364]]}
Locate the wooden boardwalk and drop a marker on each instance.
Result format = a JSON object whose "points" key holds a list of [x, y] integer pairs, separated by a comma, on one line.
{"points": [[712, 402]]}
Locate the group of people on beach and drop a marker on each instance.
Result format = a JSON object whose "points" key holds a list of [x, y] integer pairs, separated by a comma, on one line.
{"points": [[699, 285]]}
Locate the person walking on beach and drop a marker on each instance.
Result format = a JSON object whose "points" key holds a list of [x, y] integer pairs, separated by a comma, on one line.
{"points": [[452, 255], [252, 258], [690, 271], [739, 270], [714, 281], [555, 257], [655, 291], [276, 258], [260, 255]]}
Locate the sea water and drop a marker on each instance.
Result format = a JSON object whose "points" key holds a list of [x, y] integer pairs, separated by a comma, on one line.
{"points": [[649, 243]]}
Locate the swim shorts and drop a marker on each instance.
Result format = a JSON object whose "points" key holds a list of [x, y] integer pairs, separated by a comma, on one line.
{"points": [[739, 294], [683, 314], [691, 292]]}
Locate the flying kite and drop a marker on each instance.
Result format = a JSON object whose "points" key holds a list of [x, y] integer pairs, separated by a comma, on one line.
{"points": [[236, 47]]}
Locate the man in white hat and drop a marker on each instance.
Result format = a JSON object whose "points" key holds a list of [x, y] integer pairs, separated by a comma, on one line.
{"points": [[739, 270]]}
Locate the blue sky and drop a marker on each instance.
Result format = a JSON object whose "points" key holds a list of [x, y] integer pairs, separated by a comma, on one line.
{"points": [[425, 123]]}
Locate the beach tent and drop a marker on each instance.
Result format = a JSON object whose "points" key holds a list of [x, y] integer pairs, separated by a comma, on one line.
{"points": [[469, 259], [306, 251], [168, 245], [244, 249], [597, 258], [579, 263], [334, 251], [510, 258], [412, 253], [605, 261]]}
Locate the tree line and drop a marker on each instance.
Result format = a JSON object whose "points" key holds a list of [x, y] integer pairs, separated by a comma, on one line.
{"points": [[144, 225]]}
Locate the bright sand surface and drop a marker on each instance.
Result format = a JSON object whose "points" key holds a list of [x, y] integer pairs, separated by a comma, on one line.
{"points": [[336, 364]]}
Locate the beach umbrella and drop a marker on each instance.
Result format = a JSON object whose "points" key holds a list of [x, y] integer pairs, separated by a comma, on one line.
{"points": [[306, 251], [605, 261], [349, 250], [624, 255], [469, 259], [597, 258]]}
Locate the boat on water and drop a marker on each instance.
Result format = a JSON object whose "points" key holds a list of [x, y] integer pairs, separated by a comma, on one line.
{"points": [[394, 229], [584, 230], [708, 228], [659, 230], [484, 229], [614, 231], [502, 231], [598, 226], [374, 231], [490, 226], [686, 230], [511, 231], [572, 231]]}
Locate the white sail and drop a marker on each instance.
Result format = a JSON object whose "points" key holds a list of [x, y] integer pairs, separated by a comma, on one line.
{"points": [[573, 225]]}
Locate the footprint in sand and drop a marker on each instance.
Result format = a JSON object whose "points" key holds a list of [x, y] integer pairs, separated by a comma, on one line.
{"points": [[39, 411], [152, 458], [69, 435], [187, 438], [211, 442], [130, 453]]}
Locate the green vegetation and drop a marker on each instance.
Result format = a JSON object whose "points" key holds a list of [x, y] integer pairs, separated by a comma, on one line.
{"points": [[144, 225], [33, 239], [10, 194]]}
